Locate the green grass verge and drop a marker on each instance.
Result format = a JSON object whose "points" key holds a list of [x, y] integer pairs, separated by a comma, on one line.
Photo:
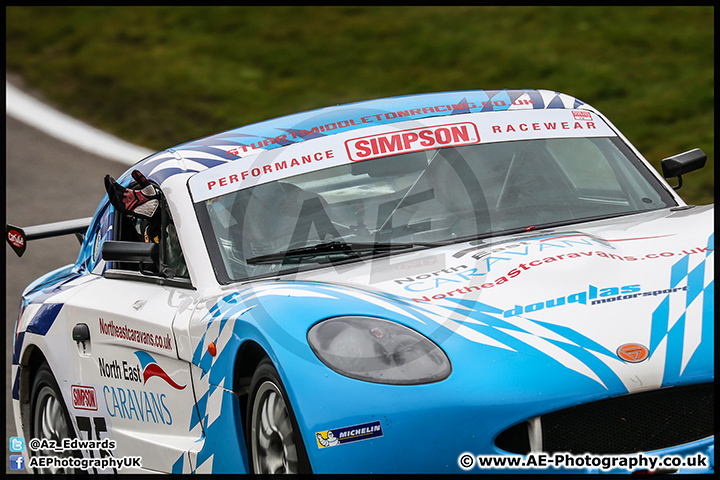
{"points": [[159, 76]]}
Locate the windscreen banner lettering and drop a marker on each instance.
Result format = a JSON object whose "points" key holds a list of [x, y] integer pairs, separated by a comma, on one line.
{"points": [[411, 140], [377, 118], [550, 125], [540, 126], [278, 166]]}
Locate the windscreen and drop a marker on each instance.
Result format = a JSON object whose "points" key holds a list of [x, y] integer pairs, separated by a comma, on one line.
{"points": [[423, 198]]}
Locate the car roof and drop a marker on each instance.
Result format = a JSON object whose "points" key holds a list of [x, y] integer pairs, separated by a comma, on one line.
{"points": [[234, 144]]}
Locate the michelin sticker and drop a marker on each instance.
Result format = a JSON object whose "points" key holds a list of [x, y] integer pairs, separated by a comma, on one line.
{"points": [[340, 436]]}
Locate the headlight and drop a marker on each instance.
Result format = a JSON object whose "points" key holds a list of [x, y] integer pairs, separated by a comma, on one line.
{"points": [[379, 351]]}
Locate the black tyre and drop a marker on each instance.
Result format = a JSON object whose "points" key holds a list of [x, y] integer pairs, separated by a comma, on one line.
{"points": [[273, 438], [49, 417]]}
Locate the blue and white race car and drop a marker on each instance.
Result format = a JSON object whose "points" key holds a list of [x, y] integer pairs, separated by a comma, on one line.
{"points": [[469, 281]]}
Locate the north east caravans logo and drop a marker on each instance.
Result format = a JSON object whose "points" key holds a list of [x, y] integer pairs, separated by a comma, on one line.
{"points": [[150, 368]]}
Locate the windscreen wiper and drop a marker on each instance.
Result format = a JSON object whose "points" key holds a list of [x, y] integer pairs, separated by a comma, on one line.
{"points": [[334, 248]]}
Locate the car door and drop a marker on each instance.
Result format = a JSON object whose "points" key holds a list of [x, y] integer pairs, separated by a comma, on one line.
{"points": [[129, 363]]}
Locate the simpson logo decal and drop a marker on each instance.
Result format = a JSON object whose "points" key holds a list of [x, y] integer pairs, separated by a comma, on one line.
{"points": [[411, 140], [340, 436], [632, 352], [582, 116], [83, 398]]}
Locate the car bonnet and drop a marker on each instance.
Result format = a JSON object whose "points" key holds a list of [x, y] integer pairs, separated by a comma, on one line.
{"points": [[626, 303]]}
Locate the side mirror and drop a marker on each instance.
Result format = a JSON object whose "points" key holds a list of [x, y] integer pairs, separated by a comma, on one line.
{"points": [[133, 252], [683, 163]]}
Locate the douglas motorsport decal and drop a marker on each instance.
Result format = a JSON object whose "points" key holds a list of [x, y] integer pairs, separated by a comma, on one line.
{"points": [[580, 297], [596, 297]]}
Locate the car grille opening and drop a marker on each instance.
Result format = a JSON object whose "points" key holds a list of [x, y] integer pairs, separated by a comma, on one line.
{"points": [[515, 439], [639, 422]]}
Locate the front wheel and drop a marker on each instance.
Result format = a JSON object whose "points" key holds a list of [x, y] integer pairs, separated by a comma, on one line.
{"points": [[273, 438], [49, 417]]}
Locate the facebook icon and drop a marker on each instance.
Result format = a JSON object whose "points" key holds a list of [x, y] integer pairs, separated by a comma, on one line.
{"points": [[17, 462]]}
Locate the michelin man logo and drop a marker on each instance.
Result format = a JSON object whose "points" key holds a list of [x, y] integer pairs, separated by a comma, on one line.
{"points": [[329, 441]]}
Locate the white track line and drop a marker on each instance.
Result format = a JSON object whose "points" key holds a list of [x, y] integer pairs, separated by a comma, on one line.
{"points": [[35, 113]]}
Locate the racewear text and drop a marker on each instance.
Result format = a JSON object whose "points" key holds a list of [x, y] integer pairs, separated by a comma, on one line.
{"points": [[541, 126]]}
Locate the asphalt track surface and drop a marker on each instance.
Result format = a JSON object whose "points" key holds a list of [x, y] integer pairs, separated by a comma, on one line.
{"points": [[47, 181]]}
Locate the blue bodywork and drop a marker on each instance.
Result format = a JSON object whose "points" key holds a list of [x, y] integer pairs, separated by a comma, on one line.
{"points": [[417, 424], [479, 400]]}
